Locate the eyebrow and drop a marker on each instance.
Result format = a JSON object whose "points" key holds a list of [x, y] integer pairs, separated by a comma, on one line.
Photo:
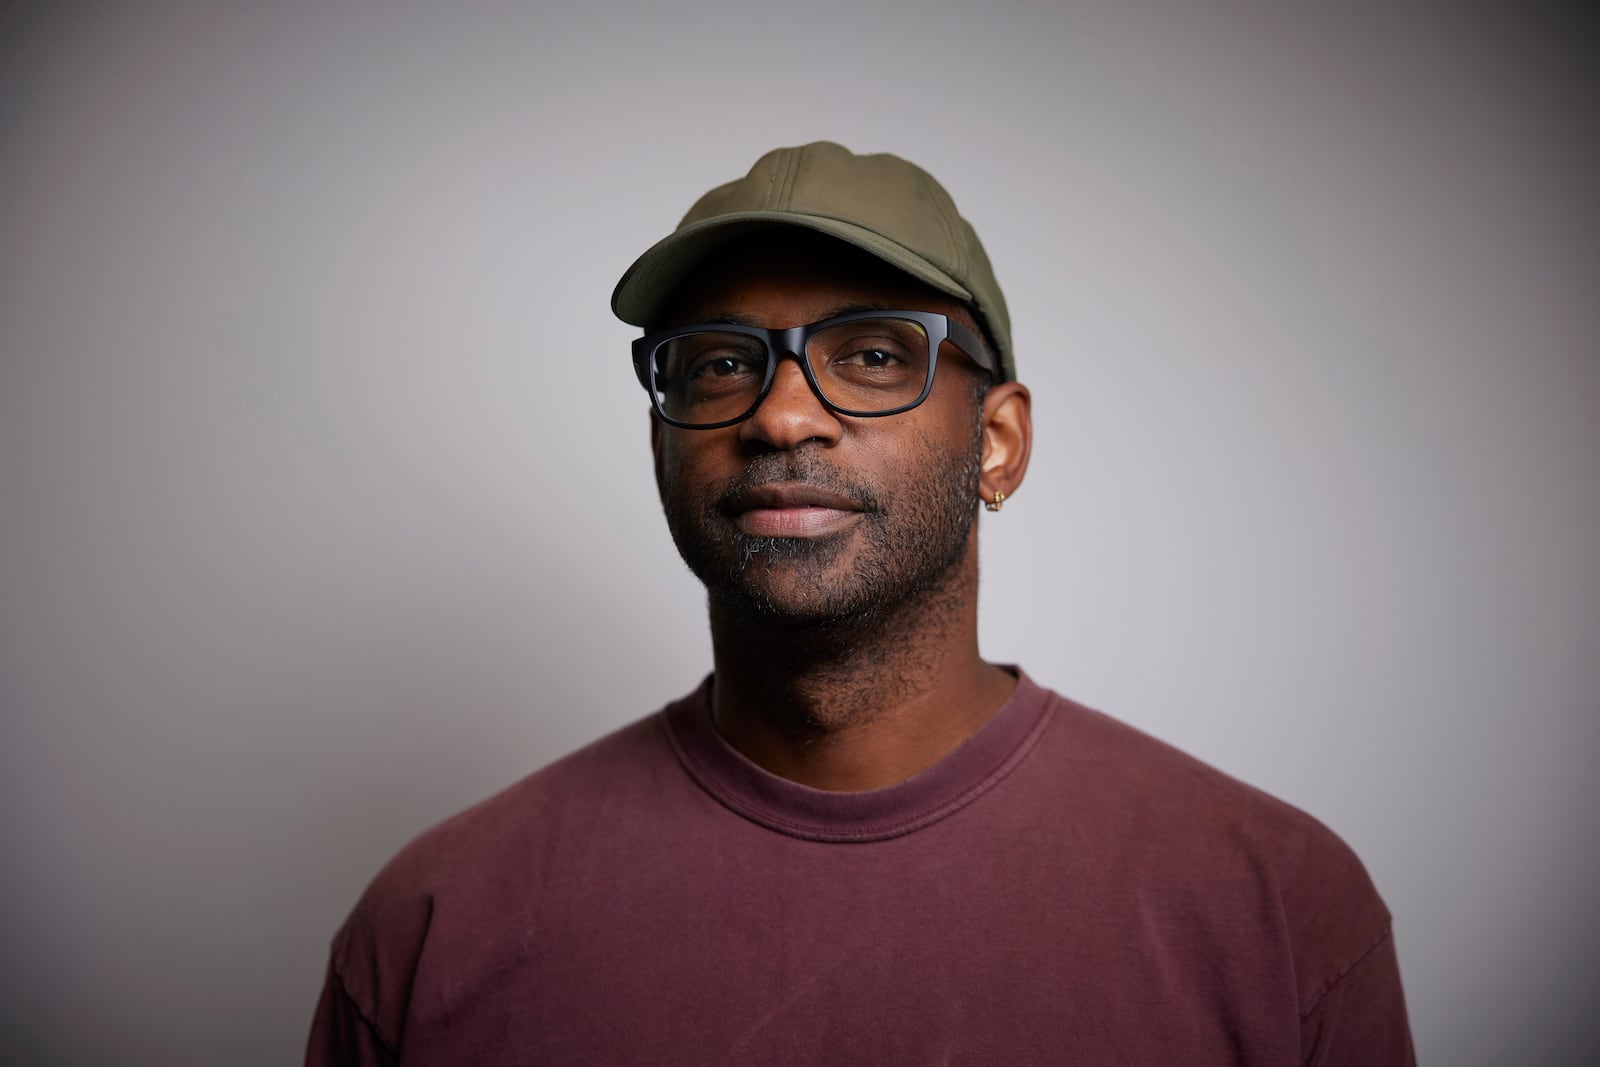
{"points": [[736, 318]]}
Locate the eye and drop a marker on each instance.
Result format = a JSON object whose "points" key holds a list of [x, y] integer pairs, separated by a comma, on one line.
{"points": [[723, 364], [870, 358], [709, 354], [715, 365]]}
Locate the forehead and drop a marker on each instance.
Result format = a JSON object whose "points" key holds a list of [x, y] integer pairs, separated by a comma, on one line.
{"points": [[789, 277]]}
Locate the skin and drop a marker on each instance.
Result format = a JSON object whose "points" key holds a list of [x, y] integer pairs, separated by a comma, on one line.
{"points": [[840, 554]]}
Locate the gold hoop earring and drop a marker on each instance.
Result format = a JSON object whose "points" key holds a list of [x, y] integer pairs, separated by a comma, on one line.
{"points": [[999, 498]]}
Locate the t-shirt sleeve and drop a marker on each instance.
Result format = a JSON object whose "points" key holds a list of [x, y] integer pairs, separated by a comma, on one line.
{"points": [[341, 1035], [1361, 1019], [1352, 1007], [361, 1017]]}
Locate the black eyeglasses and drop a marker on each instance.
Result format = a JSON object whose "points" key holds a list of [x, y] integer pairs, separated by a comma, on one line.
{"points": [[865, 364]]}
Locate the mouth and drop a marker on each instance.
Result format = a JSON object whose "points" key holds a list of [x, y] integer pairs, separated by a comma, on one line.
{"points": [[791, 510]]}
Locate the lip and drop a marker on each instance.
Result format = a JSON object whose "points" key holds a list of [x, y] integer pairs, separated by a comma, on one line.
{"points": [[792, 509]]}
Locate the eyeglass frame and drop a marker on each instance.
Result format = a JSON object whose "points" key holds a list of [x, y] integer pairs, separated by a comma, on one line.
{"points": [[791, 343]]}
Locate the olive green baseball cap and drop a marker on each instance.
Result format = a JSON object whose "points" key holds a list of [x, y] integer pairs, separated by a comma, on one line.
{"points": [[880, 203]]}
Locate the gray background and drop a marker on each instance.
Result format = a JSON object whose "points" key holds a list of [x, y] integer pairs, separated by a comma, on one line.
{"points": [[325, 507]]}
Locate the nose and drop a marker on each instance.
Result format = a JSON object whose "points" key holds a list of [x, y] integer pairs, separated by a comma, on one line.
{"points": [[791, 413]]}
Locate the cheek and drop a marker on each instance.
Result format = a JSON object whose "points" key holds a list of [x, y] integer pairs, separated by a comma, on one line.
{"points": [[667, 452], [685, 464], [950, 426]]}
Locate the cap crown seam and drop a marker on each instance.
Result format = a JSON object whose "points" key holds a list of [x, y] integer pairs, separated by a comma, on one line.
{"points": [[791, 179], [951, 236]]}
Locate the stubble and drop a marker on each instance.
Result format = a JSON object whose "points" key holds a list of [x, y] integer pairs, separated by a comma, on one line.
{"points": [[903, 549]]}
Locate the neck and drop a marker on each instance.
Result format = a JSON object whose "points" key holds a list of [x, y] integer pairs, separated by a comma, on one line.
{"points": [[862, 702]]}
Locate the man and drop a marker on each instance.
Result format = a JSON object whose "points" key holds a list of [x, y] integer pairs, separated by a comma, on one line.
{"points": [[857, 841]]}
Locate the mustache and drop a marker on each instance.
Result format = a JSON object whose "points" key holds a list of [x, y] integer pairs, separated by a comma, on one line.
{"points": [[804, 468]]}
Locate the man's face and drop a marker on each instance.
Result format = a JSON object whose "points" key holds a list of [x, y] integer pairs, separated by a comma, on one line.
{"points": [[801, 516]]}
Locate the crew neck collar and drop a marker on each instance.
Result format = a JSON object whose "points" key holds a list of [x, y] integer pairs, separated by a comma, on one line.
{"points": [[961, 777]]}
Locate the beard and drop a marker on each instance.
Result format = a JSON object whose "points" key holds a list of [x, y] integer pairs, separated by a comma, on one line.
{"points": [[906, 544]]}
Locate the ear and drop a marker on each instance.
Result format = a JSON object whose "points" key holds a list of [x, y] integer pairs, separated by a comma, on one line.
{"points": [[1007, 439]]}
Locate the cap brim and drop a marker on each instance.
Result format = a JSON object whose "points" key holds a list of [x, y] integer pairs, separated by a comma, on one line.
{"points": [[641, 296]]}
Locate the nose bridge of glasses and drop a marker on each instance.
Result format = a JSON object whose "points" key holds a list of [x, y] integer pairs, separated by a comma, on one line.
{"points": [[788, 342], [789, 364], [783, 346], [791, 406]]}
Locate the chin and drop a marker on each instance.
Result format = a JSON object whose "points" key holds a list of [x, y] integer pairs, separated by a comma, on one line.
{"points": [[788, 609], [791, 580]]}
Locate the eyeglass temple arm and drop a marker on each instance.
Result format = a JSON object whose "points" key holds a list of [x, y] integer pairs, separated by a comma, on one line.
{"points": [[976, 348]]}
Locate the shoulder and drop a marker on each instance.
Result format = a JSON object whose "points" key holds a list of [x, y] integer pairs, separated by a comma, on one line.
{"points": [[459, 875], [1207, 836], [1143, 783], [514, 820]]}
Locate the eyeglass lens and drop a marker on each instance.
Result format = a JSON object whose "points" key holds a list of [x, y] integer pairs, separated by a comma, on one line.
{"points": [[866, 366]]}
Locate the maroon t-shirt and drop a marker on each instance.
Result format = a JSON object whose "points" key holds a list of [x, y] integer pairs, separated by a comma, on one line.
{"points": [[1060, 889]]}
